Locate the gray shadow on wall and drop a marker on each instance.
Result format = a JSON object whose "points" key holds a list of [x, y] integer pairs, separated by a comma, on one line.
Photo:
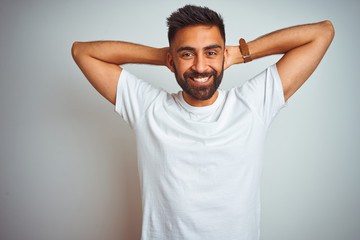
{"points": [[104, 151]]}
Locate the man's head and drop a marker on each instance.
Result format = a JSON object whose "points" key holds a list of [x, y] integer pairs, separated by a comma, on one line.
{"points": [[197, 52], [192, 16]]}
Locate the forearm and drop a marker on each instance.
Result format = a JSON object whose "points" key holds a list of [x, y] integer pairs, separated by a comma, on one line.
{"points": [[285, 40], [99, 62], [119, 53], [282, 41]]}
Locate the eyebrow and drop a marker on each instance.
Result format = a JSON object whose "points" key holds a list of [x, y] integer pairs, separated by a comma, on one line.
{"points": [[193, 49], [212, 47]]}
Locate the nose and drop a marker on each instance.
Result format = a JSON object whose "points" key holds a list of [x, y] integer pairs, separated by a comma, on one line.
{"points": [[200, 64]]}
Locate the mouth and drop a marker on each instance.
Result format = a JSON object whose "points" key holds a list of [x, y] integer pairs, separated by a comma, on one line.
{"points": [[201, 80]]}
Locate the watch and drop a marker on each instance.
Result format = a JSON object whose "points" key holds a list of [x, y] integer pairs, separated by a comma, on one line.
{"points": [[244, 49]]}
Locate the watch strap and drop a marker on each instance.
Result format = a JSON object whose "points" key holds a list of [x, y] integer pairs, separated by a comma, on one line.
{"points": [[244, 49]]}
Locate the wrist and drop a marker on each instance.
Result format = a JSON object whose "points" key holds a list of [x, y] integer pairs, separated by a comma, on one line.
{"points": [[236, 55], [163, 52]]}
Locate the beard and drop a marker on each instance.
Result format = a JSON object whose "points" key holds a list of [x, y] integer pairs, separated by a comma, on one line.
{"points": [[199, 92]]}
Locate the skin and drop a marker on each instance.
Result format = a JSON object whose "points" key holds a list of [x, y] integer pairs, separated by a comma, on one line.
{"points": [[198, 49], [302, 48]]}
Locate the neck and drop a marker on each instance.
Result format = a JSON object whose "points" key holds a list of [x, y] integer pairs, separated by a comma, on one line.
{"points": [[200, 103]]}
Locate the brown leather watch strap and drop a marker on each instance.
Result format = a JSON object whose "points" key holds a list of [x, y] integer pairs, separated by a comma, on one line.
{"points": [[244, 49]]}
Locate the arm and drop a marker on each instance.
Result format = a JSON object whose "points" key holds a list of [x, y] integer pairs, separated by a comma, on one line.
{"points": [[99, 62], [303, 48]]}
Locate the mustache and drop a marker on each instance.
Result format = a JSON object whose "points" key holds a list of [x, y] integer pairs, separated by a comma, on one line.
{"points": [[199, 75]]}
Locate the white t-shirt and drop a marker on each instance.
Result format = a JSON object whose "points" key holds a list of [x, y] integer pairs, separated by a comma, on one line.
{"points": [[200, 167]]}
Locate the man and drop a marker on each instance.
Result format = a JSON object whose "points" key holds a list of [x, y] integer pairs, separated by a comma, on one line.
{"points": [[200, 150]]}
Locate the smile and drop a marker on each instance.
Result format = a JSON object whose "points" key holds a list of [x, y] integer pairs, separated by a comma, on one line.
{"points": [[201, 80]]}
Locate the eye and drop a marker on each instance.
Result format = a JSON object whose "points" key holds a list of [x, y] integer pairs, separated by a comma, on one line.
{"points": [[211, 53], [186, 55]]}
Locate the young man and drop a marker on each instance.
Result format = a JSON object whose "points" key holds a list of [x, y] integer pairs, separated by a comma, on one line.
{"points": [[200, 150]]}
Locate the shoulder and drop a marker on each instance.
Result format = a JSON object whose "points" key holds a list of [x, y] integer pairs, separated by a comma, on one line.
{"points": [[258, 84]]}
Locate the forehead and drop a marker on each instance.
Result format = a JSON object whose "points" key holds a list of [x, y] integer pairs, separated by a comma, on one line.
{"points": [[197, 37]]}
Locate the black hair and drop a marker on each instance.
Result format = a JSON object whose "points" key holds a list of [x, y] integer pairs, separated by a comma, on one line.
{"points": [[191, 15]]}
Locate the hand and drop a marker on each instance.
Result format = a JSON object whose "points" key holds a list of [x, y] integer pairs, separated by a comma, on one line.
{"points": [[233, 56]]}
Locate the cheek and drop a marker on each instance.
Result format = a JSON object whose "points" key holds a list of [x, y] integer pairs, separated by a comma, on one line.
{"points": [[182, 66], [219, 65]]}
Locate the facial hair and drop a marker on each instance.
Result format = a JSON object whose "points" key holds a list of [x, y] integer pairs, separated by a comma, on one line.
{"points": [[199, 92]]}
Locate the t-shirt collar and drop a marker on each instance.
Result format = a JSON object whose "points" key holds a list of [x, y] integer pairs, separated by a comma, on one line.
{"points": [[203, 109]]}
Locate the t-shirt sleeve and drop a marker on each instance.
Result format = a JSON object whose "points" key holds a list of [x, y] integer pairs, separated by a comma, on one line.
{"points": [[264, 94], [133, 97]]}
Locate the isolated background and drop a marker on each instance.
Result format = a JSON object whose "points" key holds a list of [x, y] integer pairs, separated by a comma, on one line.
{"points": [[68, 167]]}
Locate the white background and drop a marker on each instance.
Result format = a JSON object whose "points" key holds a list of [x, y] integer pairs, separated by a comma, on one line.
{"points": [[68, 167]]}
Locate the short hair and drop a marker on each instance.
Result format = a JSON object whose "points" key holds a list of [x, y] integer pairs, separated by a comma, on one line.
{"points": [[191, 15]]}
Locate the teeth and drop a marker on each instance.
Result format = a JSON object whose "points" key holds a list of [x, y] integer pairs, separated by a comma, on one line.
{"points": [[201, 79]]}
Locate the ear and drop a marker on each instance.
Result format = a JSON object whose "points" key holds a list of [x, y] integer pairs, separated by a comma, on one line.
{"points": [[226, 54], [170, 61], [227, 58]]}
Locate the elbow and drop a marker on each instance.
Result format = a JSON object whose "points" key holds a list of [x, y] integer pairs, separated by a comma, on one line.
{"points": [[329, 29], [75, 50]]}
